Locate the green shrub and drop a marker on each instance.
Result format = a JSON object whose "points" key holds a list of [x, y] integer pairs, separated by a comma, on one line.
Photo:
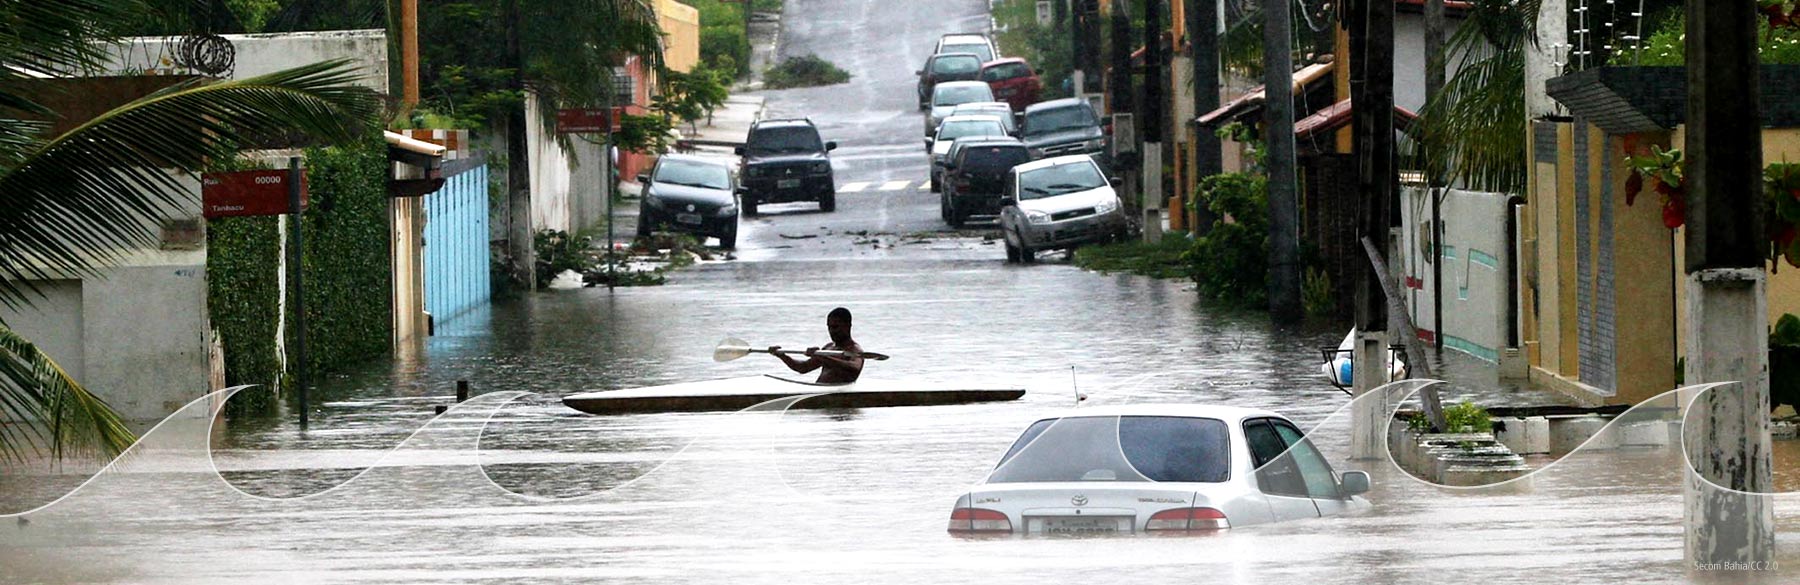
{"points": [[1316, 294], [1668, 45], [804, 71], [558, 251], [1230, 263], [1467, 418], [1165, 259]]}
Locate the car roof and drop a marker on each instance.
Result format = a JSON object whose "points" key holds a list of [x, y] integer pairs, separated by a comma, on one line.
{"points": [[962, 38], [989, 140], [1045, 163], [963, 83], [1225, 413], [1004, 61], [1054, 104], [985, 105], [776, 123]]}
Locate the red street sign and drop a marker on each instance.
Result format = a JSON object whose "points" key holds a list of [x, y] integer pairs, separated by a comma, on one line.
{"points": [[586, 120], [247, 193]]}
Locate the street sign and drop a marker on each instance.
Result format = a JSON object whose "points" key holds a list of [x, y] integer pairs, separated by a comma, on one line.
{"points": [[1046, 15], [587, 120], [247, 193]]}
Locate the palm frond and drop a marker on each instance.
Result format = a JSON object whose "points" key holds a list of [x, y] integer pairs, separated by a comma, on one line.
{"points": [[51, 409], [1474, 132], [77, 200]]}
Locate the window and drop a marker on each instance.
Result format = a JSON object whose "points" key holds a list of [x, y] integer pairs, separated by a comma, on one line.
{"points": [[993, 159], [981, 50], [1131, 448], [1059, 119], [955, 65], [1275, 473], [692, 174], [950, 95], [962, 128], [1320, 481], [785, 139], [1059, 180], [1005, 71]]}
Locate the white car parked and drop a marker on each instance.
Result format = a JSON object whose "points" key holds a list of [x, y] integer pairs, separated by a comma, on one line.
{"points": [[1058, 203], [1156, 468]]}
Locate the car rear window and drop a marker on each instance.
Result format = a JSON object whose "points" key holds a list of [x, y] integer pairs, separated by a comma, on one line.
{"points": [[950, 95], [1058, 119], [1124, 448], [955, 65], [784, 139], [981, 49], [962, 128], [1005, 71], [994, 159]]}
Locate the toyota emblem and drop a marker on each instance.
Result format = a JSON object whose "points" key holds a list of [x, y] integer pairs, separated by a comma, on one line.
{"points": [[1078, 500], [690, 207]]}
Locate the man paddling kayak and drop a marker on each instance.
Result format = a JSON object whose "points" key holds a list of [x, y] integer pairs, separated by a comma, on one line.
{"points": [[837, 369]]}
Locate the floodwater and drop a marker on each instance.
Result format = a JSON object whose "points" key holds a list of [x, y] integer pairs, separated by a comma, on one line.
{"points": [[513, 487]]}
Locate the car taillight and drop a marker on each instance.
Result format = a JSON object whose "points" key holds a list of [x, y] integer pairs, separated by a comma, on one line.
{"points": [[1188, 519], [978, 520]]}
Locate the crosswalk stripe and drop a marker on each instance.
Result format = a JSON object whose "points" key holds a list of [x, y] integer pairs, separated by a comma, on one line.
{"points": [[853, 187], [895, 185]]}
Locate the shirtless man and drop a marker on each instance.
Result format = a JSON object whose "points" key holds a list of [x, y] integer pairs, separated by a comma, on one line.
{"points": [[837, 369]]}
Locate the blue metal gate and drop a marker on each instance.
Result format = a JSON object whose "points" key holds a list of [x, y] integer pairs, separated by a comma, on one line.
{"points": [[456, 242]]}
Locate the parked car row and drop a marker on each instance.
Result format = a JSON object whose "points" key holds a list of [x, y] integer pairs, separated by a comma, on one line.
{"points": [[1064, 202]]}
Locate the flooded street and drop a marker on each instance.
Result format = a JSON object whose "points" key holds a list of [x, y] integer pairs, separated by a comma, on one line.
{"points": [[513, 487]]}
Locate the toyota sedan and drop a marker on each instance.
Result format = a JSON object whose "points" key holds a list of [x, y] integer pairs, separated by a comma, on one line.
{"points": [[1156, 469]]}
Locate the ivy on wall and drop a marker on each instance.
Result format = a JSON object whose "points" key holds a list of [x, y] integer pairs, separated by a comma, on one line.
{"points": [[349, 280]]}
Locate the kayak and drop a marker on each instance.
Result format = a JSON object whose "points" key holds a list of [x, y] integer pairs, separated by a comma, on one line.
{"points": [[748, 391]]}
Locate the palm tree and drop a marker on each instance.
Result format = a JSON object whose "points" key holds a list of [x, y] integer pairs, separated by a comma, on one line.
{"points": [[1474, 132], [71, 204]]}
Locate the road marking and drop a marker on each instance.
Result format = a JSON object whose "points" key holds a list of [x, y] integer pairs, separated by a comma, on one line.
{"points": [[895, 185], [853, 187]]}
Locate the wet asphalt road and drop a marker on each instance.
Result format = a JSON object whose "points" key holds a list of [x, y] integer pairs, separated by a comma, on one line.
{"points": [[513, 487]]}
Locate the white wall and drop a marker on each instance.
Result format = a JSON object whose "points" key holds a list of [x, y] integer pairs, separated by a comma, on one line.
{"points": [[1475, 258], [260, 54], [566, 192]]}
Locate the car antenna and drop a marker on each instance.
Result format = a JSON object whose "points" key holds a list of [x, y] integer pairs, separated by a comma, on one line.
{"points": [[1076, 386]]}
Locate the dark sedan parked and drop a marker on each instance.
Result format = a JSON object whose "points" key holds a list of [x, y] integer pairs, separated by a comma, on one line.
{"points": [[946, 67], [975, 178], [689, 194]]}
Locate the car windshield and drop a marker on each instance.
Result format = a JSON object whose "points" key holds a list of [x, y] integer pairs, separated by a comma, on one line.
{"points": [[1060, 179], [692, 174], [950, 95], [1122, 448], [979, 49], [955, 64], [961, 128], [1005, 71], [1059, 119], [784, 139], [993, 160]]}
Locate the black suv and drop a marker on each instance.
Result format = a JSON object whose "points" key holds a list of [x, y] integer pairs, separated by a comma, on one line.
{"points": [[784, 161], [975, 179]]}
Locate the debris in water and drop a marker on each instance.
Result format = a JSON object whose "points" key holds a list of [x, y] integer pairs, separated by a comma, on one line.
{"points": [[799, 237]]}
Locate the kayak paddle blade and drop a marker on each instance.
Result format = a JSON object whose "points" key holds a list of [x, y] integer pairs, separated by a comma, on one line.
{"points": [[731, 349]]}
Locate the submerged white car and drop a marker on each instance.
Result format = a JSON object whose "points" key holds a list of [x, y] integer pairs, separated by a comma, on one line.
{"points": [[1156, 468]]}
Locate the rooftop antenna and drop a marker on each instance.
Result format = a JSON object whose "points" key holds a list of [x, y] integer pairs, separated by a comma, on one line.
{"points": [[1073, 384]]}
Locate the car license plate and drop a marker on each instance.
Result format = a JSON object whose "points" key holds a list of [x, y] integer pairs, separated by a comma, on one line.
{"points": [[1083, 525], [688, 218], [787, 184]]}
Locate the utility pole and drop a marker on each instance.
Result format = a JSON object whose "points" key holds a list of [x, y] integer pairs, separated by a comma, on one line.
{"points": [[1203, 48], [518, 164], [1078, 17], [1728, 516], [1434, 87], [1371, 27], [1151, 121], [1124, 161], [1090, 43], [1284, 206], [409, 55]]}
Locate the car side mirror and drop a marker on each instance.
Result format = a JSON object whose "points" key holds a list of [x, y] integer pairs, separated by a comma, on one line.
{"points": [[928, 142], [739, 150], [920, 72], [741, 190], [643, 178], [1353, 482], [1113, 180], [831, 145]]}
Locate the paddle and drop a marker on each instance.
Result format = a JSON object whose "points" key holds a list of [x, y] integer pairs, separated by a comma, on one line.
{"points": [[732, 349]]}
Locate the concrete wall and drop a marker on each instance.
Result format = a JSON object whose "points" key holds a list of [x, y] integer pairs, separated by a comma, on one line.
{"points": [[680, 26], [261, 54], [1475, 256]]}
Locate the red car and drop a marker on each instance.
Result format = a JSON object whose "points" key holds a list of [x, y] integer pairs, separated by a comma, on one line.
{"points": [[1012, 80]]}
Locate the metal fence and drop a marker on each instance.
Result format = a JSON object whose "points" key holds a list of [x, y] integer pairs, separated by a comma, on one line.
{"points": [[456, 243]]}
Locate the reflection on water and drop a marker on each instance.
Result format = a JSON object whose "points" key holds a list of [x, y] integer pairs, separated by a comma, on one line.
{"points": [[806, 496]]}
